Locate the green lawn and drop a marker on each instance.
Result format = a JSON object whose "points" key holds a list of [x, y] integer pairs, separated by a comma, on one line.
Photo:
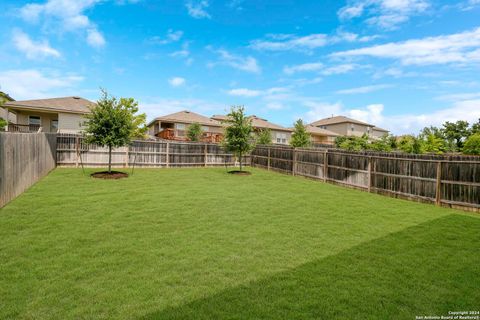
{"points": [[199, 243]]}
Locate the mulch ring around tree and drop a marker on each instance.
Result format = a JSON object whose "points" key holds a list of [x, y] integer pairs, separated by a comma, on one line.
{"points": [[109, 175], [240, 173]]}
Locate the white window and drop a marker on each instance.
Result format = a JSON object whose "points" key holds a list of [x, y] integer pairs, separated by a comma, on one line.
{"points": [[205, 129], [368, 129], [180, 126], [281, 137], [54, 126], [352, 127], [34, 120]]}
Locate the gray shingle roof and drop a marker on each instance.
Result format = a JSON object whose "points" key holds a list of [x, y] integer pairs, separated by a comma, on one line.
{"points": [[187, 117], [65, 104], [338, 119]]}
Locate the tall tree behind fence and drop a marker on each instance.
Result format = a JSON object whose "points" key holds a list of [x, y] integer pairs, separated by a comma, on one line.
{"points": [[72, 151], [444, 180], [24, 159]]}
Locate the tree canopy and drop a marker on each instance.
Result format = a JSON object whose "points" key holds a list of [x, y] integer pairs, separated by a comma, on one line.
{"points": [[114, 123], [194, 132], [264, 136], [238, 133], [300, 136]]}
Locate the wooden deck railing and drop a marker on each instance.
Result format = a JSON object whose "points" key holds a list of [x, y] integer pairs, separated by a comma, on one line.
{"points": [[181, 135], [13, 127]]}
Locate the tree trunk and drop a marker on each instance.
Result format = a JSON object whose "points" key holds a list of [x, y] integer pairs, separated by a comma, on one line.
{"points": [[109, 159], [240, 159]]}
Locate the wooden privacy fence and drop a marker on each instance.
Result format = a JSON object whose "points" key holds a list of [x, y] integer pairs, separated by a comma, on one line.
{"points": [[73, 151], [444, 180], [24, 159]]}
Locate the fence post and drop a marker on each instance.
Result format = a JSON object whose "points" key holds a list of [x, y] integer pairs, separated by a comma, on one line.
{"points": [[325, 165], [77, 150], [126, 156], [438, 188], [294, 163], [369, 173], [205, 154], [268, 163], [168, 155]]}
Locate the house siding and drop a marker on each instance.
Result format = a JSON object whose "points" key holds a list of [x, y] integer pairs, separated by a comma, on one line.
{"points": [[70, 122], [45, 118]]}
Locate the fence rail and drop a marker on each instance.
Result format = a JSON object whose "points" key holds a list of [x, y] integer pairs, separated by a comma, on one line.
{"points": [[452, 181], [73, 151]]}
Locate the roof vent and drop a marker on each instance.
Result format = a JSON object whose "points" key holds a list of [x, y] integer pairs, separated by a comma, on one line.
{"points": [[76, 97]]}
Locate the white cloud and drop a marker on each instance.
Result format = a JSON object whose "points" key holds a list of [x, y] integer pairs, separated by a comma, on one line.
{"points": [[197, 9], [307, 43], [171, 36], [399, 123], [386, 14], [244, 92], [463, 48], [65, 16], [176, 81], [32, 49], [290, 42], [95, 38], [33, 84], [319, 68], [364, 89], [247, 63], [313, 66]]}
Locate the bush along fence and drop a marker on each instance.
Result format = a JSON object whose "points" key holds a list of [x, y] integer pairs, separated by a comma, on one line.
{"points": [[72, 151], [452, 181], [25, 158]]}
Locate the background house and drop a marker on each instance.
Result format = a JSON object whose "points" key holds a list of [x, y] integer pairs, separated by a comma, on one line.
{"points": [[321, 136], [4, 114], [280, 135], [345, 126], [48, 115], [174, 126]]}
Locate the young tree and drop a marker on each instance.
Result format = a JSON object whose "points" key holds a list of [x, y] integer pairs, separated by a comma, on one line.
{"points": [[300, 136], [433, 144], [113, 123], [238, 133], [472, 145], [456, 132], [264, 137], [194, 132]]}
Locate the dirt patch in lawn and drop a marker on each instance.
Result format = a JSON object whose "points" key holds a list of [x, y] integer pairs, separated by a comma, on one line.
{"points": [[109, 175], [240, 173]]}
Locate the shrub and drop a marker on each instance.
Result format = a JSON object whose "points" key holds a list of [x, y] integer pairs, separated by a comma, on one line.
{"points": [[3, 123], [472, 145]]}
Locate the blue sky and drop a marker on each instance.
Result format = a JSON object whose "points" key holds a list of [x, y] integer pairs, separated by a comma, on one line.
{"points": [[400, 64]]}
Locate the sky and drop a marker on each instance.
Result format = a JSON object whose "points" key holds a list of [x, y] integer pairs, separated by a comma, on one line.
{"points": [[398, 64]]}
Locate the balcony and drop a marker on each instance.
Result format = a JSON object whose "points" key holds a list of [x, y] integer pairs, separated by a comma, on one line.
{"points": [[32, 128], [181, 135]]}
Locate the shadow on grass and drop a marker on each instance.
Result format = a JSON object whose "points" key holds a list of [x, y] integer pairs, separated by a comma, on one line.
{"points": [[428, 269]]}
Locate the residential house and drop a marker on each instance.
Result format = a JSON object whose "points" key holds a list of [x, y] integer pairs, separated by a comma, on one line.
{"points": [[174, 126], [321, 136], [280, 135], [345, 126], [48, 115]]}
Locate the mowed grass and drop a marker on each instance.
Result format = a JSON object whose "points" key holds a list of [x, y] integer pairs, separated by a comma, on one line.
{"points": [[203, 244]]}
